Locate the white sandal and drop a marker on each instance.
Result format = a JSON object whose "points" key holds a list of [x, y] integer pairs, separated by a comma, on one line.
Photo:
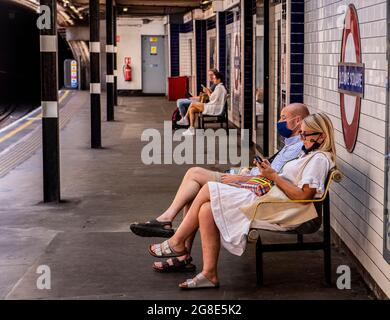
{"points": [[164, 250], [200, 281]]}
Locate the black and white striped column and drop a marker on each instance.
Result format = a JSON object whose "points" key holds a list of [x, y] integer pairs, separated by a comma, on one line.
{"points": [[49, 97], [95, 88], [115, 57], [110, 59]]}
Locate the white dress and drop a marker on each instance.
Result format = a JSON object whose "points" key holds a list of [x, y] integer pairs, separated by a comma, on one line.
{"points": [[226, 201], [217, 101]]}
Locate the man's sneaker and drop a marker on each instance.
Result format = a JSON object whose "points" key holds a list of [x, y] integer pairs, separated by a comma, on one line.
{"points": [[189, 132], [183, 122]]}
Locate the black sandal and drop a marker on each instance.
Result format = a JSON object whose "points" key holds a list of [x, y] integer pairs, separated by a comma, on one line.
{"points": [[153, 228], [177, 266]]}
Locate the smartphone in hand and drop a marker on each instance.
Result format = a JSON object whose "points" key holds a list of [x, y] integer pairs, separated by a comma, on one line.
{"points": [[258, 159]]}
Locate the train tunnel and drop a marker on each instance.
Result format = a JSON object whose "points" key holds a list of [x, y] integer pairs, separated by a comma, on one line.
{"points": [[20, 61]]}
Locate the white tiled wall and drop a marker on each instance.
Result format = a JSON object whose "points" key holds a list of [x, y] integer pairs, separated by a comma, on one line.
{"points": [[358, 201], [186, 56], [185, 53], [130, 32]]}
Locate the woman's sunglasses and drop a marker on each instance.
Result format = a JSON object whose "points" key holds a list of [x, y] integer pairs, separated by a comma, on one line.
{"points": [[304, 135]]}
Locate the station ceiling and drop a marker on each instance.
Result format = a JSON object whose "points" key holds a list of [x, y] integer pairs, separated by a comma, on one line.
{"points": [[145, 7], [75, 12]]}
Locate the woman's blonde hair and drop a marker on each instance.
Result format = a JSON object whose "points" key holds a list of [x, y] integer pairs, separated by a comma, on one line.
{"points": [[320, 122]]}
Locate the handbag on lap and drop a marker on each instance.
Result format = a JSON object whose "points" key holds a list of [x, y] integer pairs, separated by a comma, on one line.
{"points": [[258, 185]]}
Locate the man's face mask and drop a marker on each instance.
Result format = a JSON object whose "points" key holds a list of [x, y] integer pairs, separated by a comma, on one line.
{"points": [[283, 130]]}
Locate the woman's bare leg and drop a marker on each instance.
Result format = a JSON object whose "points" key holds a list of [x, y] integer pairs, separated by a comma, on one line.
{"points": [[190, 223], [193, 110], [188, 243], [193, 180], [190, 240], [211, 243]]}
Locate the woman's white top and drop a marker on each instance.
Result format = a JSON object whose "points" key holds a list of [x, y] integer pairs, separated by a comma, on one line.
{"points": [[314, 173], [217, 101]]}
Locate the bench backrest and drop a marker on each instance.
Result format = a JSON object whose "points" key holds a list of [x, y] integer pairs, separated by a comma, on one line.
{"points": [[315, 224]]}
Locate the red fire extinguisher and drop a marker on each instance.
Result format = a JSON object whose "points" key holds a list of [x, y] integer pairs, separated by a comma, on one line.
{"points": [[127, 73]]}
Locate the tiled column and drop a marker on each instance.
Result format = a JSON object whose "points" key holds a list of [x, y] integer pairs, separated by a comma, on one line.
{"points": [[248, 8], [297, 50], [201, 53]]}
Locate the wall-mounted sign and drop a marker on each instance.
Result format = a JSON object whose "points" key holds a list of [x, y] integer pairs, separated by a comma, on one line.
{"points": [[237, 62], [187, 17], [153, 50], [71, 74], [351, 78], [153, 39]]}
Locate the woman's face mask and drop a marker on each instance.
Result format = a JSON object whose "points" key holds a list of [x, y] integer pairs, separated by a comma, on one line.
{"points": [[310, 144]]}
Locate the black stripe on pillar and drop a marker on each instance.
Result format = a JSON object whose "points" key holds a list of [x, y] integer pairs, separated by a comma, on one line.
{"points": [[115, 57], [201, 53], [94, 49], [49, 97], [247, 68]]}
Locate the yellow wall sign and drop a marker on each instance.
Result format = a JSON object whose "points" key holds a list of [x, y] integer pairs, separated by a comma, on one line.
{"points": [[153, 50], [153, 39]]}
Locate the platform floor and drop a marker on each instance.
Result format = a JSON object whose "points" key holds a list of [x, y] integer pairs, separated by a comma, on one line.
{"points": [[86, 240]]}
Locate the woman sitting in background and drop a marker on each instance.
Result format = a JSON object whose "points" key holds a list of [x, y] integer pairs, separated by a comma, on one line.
{"points": [[213, 107], [224, 214]]}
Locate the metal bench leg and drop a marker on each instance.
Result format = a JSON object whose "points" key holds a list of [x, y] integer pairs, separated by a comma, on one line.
{"points": [[327, 243], [259, 263], [327, 266]]}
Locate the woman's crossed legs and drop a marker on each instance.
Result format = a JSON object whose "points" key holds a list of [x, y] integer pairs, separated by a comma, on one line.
{"points": [[193, 110], [200, 217]]}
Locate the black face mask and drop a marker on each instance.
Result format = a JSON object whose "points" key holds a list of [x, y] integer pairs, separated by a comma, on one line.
{"points": [[314, 146]]}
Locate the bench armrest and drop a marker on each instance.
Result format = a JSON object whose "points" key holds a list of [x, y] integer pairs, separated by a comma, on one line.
{"points": [[334, 175]]}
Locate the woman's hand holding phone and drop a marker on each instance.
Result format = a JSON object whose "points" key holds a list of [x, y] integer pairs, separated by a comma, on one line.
{"points": [[265, 168]]}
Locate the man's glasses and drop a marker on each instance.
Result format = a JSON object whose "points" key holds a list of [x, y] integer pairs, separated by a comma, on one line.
{"points": [[304, 135]]}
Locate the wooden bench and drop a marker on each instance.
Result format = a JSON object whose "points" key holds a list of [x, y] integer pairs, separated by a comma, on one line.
{"points": [[322, 206]]}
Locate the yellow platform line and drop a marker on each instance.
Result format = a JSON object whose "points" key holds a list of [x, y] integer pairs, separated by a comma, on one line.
{"points": [[28, 123]]}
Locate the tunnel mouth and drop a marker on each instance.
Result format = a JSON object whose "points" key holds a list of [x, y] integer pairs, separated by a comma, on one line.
{"points": [[20, 85]]}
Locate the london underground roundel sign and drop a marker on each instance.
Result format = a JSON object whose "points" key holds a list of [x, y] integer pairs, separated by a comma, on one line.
{"points": [[351, 78]]}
